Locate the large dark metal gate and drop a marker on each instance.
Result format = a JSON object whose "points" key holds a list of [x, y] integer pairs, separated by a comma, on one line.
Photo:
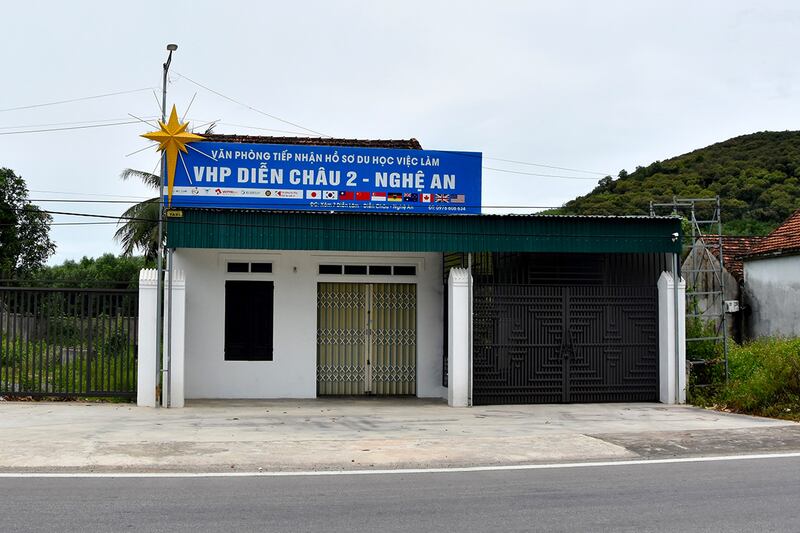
{"points": [[68, 342], [559, 344]]}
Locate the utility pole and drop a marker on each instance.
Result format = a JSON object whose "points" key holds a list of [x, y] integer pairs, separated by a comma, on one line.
{"points": [[160, 281]]}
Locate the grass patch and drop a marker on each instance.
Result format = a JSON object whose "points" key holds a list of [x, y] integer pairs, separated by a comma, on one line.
{"points": [[764, 380], [37, 368]]}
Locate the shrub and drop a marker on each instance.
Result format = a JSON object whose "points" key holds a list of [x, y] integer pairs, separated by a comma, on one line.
{"points": [[706, 350], [116, 345], [764, 379]]}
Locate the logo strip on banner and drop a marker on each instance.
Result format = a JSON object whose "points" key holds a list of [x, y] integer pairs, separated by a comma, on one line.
{"points": [[328, 178]]}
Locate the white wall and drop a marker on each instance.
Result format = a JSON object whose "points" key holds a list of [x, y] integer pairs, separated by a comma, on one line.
{"points": [[292, 372], [772, 289], [146, 356], [458, 342], [671, 340]]}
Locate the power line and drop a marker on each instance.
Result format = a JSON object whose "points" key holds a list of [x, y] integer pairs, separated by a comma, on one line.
{"points": [[348, 230], [265, 202], [7, 224], [70, 128], [250, 107], [81, 201], [548, 166], [516, 161], [103, 124], [89, 194], [82, 223], [58, 102], [262, 129], [118, 122], [559, 176], [65, 123]]}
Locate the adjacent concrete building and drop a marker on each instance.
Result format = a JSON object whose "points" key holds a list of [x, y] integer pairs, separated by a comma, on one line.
{"points": [[772, 282]]}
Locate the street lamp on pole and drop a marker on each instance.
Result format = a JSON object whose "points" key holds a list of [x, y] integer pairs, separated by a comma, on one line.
{"points": [[160, 281]]}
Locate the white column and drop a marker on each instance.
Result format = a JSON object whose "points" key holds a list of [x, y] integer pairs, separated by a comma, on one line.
{"points": [[458, 337], [146, 370], [177, 334], [671, 346]]}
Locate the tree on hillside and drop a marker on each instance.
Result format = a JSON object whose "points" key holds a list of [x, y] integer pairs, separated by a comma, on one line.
{"points": [[757, 178], [138, 229], [24, 228]]}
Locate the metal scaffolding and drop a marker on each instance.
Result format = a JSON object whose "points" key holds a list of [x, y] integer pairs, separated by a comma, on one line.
{"points": [[705, 282]]}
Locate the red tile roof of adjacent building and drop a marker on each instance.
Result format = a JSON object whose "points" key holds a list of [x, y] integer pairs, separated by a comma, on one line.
{"points": [[784, 239], [733, 248], [407, 144]]}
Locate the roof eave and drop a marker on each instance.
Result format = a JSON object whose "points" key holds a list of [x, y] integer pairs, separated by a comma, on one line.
{"points": [[772, 253]]}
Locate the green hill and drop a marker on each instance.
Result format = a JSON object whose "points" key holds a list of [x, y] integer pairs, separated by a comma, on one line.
{"points": [[757, 177]]}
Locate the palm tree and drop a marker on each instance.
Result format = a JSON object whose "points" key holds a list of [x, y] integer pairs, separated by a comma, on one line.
{"points": [[138, 230]]}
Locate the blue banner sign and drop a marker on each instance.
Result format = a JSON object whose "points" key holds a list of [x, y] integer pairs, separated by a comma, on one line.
{"points": [[327, 178]]}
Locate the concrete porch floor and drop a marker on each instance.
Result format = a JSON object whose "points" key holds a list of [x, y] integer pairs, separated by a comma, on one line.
{"points": [[247, 435]]}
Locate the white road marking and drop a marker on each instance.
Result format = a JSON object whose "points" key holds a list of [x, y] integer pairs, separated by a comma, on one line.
{"points": [[445, 470]]}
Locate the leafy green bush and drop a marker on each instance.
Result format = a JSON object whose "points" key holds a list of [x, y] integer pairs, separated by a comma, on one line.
{"points": [[108, 271], [64, 329], [707, 350], [116, 345], [704, 378], [764, 379], [10, 353]]}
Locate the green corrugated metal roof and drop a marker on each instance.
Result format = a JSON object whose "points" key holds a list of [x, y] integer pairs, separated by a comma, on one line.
{"points": [[292, 230]]}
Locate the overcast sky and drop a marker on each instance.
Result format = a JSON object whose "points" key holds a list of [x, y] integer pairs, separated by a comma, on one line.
{"points": [[593, 85]]}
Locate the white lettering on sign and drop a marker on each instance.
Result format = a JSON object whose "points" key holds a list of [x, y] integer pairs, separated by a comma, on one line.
{"points": [[407, 180], [446, 181], [211, 174]]}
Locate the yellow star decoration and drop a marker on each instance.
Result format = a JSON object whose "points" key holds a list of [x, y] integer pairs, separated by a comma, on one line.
{"points": [[172, 138]]}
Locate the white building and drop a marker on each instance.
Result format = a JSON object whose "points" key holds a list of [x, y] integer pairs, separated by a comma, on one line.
{"points": [[473, 308], [772, 282]]}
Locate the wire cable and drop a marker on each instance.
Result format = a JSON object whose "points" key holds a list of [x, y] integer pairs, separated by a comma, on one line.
{"points": [[70, 128], [260, 128], [265, 202], [81, 99], [249, 106], [548, 166], [515, 161], [558, 176], [351, 230], [79, 122], [77, 193]]}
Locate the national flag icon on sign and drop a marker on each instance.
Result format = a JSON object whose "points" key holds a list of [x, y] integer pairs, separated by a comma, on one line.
{"points": [[426, 197], [395, 197], [411, 197], [313, 195], [346, 195], [330, 195], [442, 198], [457, 199], [362, 196], [379, 197]]}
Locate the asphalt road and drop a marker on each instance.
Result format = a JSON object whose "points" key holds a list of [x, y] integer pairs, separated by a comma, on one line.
{"points": [[741, 495]]}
